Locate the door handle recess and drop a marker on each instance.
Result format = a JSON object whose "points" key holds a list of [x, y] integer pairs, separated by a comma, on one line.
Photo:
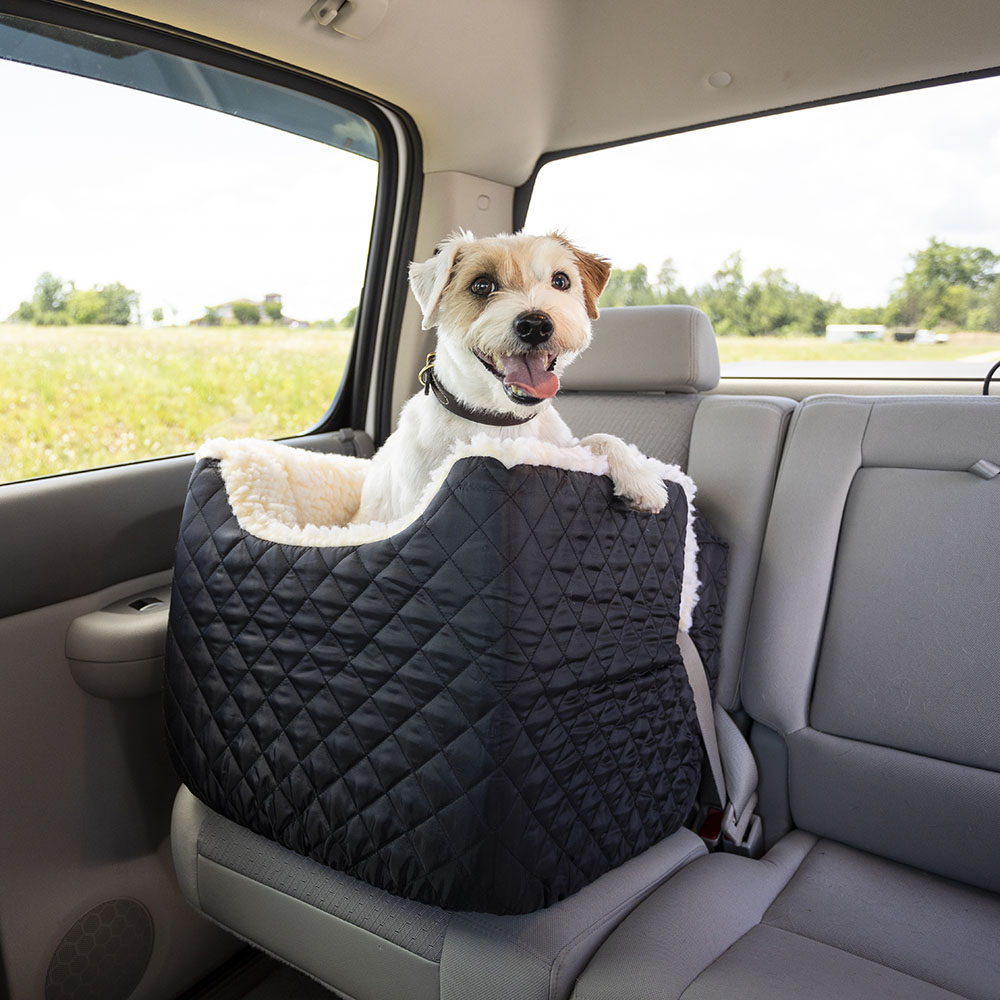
{"points": [[117, 652]]}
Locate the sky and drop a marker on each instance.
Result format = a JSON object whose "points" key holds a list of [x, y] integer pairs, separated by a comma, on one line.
{"points": [[187, 206], [192, 208], [838, 196]]}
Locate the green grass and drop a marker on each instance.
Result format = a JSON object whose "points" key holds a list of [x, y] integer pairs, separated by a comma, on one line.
{"points": [[959, 346], [83, 397]]}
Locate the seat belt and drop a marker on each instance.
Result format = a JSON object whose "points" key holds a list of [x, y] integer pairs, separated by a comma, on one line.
{"points": [[730, 759]]}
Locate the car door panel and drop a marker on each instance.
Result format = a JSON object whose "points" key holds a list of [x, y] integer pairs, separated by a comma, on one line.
{"points": [[87, 782]]}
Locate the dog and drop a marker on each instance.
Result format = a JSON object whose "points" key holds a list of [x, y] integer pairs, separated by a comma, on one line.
{"points": [[512, 313]]}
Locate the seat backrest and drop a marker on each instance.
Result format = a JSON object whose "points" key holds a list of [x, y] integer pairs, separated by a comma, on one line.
{"points": [[871, 660], [648, 377]]}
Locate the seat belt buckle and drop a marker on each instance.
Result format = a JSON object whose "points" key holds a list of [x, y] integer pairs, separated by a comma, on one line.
{"points": [[709, 826], [743, 834]]}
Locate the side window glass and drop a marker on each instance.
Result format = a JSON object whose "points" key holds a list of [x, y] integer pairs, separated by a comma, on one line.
{"points": [[183, 252], [857, 240]]}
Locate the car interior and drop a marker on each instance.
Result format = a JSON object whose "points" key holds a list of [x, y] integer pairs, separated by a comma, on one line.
{"points": [[860, 502]]}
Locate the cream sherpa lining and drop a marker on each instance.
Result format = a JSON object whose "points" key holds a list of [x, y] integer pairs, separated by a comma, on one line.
{"points": [[296, 497]]}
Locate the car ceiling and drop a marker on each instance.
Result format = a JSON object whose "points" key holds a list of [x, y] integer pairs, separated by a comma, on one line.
{"points": [[493, 86]]}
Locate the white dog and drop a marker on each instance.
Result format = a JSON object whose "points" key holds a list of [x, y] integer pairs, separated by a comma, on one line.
{"points": [[511, 313]]}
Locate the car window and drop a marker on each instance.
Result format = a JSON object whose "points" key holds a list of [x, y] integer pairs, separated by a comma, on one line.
{"points": [[862, 237], [183, 251]]}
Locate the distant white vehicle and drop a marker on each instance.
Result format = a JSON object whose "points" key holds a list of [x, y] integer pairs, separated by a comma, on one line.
{"points": [[844, 332]]}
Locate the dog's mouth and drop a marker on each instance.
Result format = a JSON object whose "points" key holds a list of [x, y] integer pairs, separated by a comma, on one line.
{"points": [[527, 378]]}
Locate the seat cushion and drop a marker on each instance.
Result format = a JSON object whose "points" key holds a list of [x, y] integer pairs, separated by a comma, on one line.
{"points": [[812, 919], [369, 945]]}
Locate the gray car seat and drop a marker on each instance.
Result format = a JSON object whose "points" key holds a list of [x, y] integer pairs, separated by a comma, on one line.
{"points": [[645, 378], [871, 674]]}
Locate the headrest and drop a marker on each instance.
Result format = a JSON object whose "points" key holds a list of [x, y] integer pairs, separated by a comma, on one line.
{"points": [[648, 349]]}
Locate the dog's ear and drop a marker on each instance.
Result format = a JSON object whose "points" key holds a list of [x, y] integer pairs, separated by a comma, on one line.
{"points": [[594, 273], [430, 278]]}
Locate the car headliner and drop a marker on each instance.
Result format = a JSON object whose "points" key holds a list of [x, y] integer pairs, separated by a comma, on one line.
{"points": [[492, 87]]}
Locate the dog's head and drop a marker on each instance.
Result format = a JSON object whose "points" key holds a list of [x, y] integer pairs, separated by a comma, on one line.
{"points": [[511, 311]]}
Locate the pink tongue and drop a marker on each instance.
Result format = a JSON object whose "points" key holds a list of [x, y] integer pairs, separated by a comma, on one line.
{"points": [[529, 372]]}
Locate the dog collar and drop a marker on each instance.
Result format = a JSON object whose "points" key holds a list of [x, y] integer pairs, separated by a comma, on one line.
{"points": [[429, 381]]}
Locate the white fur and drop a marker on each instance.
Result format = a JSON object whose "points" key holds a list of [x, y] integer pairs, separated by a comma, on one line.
{"points": [[427, 432], [297, 497]]}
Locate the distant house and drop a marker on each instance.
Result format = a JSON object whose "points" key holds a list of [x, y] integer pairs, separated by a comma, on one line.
{"points": [[844, 332], [226, 312]]}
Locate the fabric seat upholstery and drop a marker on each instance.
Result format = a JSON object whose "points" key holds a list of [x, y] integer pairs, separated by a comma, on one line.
{"points": [[813, 919], [870, 672]]}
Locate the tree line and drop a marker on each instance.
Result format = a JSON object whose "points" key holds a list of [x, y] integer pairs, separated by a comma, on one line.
{"points": [[57, 303], [946, 286]]}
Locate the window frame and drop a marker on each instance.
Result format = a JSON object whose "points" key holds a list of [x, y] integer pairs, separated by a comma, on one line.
{"points": [[394, 220]]}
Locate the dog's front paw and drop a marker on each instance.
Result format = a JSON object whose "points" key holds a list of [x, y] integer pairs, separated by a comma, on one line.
{"points": [[645, 494]]}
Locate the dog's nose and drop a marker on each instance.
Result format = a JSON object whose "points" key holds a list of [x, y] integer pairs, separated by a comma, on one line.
{"points": [[534, 327]]}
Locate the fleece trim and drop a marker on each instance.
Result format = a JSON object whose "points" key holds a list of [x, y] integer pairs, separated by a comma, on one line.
{"points": [[291, 496]]}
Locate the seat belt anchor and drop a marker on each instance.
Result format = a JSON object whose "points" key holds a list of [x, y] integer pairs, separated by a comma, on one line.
{"points": [[743, 834]]}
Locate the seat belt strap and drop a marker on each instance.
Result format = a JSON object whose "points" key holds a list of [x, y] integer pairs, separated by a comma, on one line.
{"points": [[730, 759], [698, 680]]}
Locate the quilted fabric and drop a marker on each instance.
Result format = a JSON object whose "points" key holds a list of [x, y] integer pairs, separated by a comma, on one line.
{"points": [[485, 711], [706, 622]]}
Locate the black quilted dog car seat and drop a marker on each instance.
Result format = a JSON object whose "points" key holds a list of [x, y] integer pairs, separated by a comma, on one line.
{"points": [[484, 709]]}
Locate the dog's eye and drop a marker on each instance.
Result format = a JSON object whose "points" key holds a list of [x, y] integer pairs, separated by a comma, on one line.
{"points": [[483, 286], [560, 281]]}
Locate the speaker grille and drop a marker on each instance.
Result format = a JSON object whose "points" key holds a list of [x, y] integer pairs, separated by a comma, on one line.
{"points": [[104, 954]]}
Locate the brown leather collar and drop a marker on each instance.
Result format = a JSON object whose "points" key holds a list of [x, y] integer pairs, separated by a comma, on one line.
{"points": [[429, 381]]}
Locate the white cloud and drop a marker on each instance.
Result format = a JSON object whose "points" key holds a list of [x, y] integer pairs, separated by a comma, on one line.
{"points": [[838, 196]]}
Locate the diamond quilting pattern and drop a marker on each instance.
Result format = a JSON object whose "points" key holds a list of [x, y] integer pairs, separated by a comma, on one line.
{"points": [[485, 711]]}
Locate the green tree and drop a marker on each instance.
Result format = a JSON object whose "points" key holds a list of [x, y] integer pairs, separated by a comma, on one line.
{"points": [[157, 315], [629, 288], [107, 305], [947, 284], [862, 315], [118, 304], [348, 321], [50, 293], [85, 308], [772, 304], [666, 289], [58, 303], [273, 311], [723, 297], [47, 306], [985, 314], [246, 313], [24, 313]]}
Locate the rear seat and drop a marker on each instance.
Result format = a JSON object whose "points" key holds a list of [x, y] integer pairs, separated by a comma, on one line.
{"points": [[646, 379], [871, 676]]}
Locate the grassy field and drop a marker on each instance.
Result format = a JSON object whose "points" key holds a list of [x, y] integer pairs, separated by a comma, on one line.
{"points": [[959, 346], [81, 397]]}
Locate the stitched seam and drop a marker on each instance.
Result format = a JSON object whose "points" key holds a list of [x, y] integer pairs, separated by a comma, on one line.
{"points": [[562, 955], [848, 951]]}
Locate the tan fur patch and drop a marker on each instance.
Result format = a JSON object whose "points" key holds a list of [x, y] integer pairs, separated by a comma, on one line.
{"points": [[461, 305], [594, 273]]}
